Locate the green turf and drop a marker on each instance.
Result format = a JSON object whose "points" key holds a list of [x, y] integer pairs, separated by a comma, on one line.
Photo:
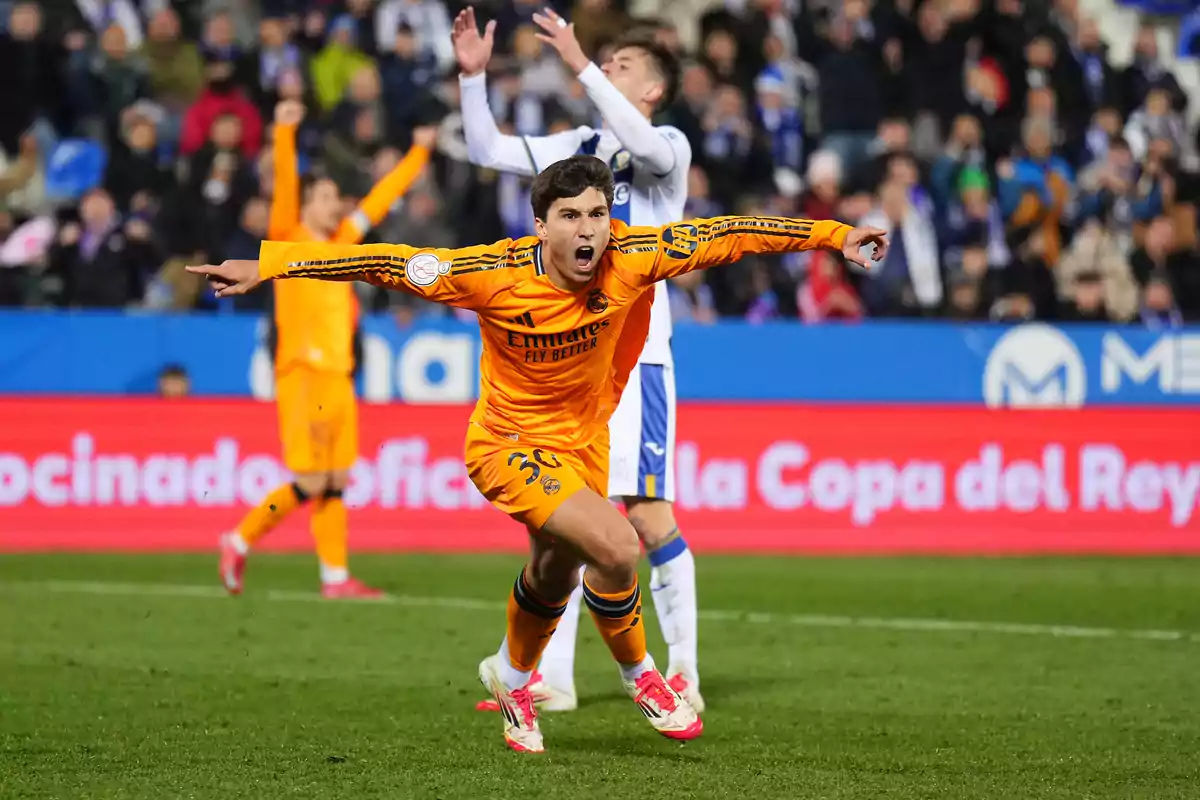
{"points": [[124, 695]]}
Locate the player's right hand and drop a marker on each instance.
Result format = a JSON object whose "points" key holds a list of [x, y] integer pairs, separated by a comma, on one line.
{"points": [[289, 112], [472, 50], [230, 278], [425, 136]]}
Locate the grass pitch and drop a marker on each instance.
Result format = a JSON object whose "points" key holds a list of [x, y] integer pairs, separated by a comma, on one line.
{"points": [[133, 677]]}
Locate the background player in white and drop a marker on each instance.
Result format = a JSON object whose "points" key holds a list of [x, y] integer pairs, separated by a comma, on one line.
{"points": [[650, 168]]}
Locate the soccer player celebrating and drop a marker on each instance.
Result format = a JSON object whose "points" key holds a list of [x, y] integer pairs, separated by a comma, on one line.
{"points": [[314, 361], [650, 168], [563, 317]]}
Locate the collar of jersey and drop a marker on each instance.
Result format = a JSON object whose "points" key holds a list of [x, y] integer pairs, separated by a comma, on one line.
{"points": [[540, 271]]}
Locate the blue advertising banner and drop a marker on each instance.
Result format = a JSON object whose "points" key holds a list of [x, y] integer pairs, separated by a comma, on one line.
{"points": [[437, 361]]}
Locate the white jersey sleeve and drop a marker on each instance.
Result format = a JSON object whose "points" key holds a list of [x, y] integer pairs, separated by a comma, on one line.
{"points": [[645, 143], [488, 147]]}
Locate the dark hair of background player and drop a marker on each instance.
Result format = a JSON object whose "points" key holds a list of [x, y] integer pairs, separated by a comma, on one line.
{"points": [[570, 177], [664, 61]]}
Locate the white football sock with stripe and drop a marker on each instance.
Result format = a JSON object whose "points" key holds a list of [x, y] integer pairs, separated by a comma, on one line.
{"points": [[558, 659], [673, 587]]}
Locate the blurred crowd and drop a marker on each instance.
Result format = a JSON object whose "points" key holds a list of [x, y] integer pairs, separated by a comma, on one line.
{"points": [[1020, 173]]}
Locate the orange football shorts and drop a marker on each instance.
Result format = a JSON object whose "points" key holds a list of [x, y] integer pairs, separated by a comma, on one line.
{"points": [[528, 482], [318, 420]]}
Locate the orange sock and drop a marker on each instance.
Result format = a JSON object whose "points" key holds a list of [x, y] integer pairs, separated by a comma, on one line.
{"points": [[531, 623], [330, 532], [270, 512], [619, 618]]}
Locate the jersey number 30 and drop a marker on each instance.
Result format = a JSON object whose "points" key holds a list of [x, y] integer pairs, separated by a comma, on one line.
{"points": [[534, 467]]}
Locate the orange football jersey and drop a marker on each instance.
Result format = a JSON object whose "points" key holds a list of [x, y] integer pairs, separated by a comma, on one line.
{"points": [[316, 322], [554, 361]]}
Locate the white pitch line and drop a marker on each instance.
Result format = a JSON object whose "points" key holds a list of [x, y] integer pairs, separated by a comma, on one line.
{"points": [[915, 624]]}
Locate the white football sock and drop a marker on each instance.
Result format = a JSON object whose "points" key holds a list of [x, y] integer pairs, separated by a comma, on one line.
{"points": [[631, 672], [238, 543], [558, 659], [331, 575], [673, 587], [512, 677]]}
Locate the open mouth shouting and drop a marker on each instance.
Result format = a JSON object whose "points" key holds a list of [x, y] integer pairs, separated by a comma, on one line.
{"points": [[584, 256]]}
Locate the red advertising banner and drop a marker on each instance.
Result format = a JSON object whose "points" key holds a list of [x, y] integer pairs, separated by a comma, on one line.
{"points": [[151, 475]]}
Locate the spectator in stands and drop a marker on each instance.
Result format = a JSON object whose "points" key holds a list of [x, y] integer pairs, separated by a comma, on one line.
{"points": [[736, 159], [251, 230], [539, 70], [1100, 80], [275, 57], [362, 14], [362, 94], [847, 66], [174, 66], [827, 294], [721, 58], [17, 175], [336, 64], [100, 15], [1086, 301], [970, 231], [99, 262], [1035, 189], [909, 281], [219, 45], [1156, 119], [219, 180], [821, 198], [348, 153], [222, 97], [688, 111], [244, 243], [173, 382], [779, 118], [135, 163], [966, 300], [31, 75], [1147, 71], [1160, 258], [407, 75], [1050, 69], [115, 80], [430, 24], [312, 33], [935, 57], [1159, 310]]}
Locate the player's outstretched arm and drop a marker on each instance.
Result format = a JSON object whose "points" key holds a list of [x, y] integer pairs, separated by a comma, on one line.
{"points": [[376, 205], [464, 277], [486, 145], [702, 243], [285, 192], [633, 130]]}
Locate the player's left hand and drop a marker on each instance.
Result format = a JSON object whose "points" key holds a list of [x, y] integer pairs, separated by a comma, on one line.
{"points": [[857, 238], [230, 278], [561, 36]]}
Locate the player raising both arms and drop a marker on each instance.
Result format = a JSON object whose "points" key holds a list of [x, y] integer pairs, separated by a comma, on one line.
{"points": [[650, 171], [314, 361], [563, 316]]}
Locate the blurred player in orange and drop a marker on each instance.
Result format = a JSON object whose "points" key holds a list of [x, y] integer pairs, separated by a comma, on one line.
{"points": [[563, 317], [314, 360]]}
